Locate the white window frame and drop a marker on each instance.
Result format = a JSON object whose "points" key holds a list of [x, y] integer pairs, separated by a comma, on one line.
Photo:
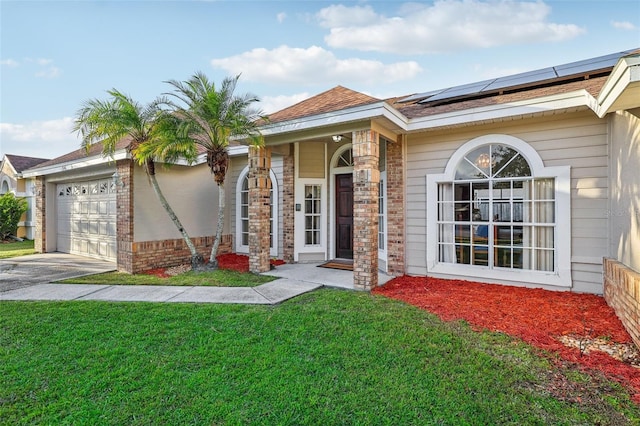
{"points": [[562, 175], [240, 248]]}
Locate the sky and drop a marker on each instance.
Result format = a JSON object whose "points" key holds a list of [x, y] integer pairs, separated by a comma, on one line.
{"points": [[56, 55]]}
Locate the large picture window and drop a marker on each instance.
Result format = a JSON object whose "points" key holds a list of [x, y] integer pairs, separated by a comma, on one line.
{"points": [[497, 212]]}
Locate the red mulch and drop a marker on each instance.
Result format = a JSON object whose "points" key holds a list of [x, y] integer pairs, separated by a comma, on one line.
{"points": [[536, 316], [240, 262], [237, 262]]}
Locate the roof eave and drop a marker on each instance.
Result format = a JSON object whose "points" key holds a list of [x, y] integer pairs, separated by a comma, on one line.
{"points": [[76, 164], [580, 99], [622, 88], [359, 113]]}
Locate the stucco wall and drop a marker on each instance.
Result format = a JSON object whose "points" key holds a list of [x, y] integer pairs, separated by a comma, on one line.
{"points": [[578, 140], [624, 211], [191, 192]]}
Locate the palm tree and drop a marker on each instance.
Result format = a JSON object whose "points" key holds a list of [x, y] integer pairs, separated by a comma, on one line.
{"points": [[211, 117], [110, 121]]}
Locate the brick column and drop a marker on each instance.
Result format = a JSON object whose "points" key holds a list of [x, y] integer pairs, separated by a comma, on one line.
{"points": [[124, 216], [366, 177], [259, 209], [288, 205], [40, 237], [395, 208]]}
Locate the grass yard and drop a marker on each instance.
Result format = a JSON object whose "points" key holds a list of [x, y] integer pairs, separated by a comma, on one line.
{"points": [[217, 278], [326, 357], [16, 248]]}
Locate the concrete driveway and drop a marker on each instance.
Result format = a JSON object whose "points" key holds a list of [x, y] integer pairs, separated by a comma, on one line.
{"points": [[24, 271]]}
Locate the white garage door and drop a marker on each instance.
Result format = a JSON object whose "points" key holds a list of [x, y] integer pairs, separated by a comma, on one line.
{"points": [[87, 218]]}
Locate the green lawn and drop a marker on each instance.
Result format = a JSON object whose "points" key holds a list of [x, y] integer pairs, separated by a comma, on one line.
{"points": [[325, 358], [16, 248], [217, 278]]}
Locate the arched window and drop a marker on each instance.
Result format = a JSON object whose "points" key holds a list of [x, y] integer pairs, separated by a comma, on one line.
{"points": [[242, 213], [4, 188], [498, 210]]}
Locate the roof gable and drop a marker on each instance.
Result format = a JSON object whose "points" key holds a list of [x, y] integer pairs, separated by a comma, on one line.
{"points": [[81, 153], [335, 99], [21, 163]]}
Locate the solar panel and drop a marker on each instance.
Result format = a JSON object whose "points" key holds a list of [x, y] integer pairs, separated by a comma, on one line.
{"points": [[418, 96], [458, 91], [521, 79], [587, 65]]}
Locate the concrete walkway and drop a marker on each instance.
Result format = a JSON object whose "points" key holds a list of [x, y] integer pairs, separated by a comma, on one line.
{"points": [[31, 278]]}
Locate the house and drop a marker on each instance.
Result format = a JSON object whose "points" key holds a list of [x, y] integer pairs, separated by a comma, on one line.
{"points": [[11, 168], [530, 179]]}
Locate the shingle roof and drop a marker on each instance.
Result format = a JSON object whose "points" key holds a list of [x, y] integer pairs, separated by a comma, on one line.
{"points": [[21, 163], [416, 110], [79, 154], [335, 99]]}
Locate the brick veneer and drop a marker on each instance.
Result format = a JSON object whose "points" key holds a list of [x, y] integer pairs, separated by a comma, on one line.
{"points": [[395, 208], [259, 209], [40, 236], [288, 206], [124, 216], [166, 253], [622, 293], [366, 178]]}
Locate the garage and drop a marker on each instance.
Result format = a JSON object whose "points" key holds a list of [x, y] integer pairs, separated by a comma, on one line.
{"points": [[86, 218]]}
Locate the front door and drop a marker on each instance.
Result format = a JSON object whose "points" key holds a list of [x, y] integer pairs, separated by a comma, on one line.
{"points": [[344, 216]]}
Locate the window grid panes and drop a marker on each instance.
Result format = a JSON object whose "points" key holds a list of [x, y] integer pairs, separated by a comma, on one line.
{"points": [[381, 222], [244, 213], [496, 215], [312, 214]]}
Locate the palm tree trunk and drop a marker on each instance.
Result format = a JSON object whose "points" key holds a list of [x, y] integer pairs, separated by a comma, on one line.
{"points": [[213, 261], [196, 259]]}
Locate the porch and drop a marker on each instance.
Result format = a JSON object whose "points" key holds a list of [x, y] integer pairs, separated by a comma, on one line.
{"points": [[312, 273]]}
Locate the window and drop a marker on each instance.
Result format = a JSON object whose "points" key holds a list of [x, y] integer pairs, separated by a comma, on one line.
{"points": [[312, 214], [494, 214], [242, 221], [381, 221], [497, 211]]}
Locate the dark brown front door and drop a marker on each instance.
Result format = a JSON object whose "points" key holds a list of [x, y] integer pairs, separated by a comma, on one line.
{"points": [[344, 216]]}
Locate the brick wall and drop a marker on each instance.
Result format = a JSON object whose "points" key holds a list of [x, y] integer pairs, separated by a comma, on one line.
{"points": [[40, 236], [288, 206], [259, 209], [166, 253], [124, 216], [366, 177], [395, 208], [622, 293]]}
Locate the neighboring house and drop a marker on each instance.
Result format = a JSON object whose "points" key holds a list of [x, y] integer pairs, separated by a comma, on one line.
{"points": [[529, 180], [11, 169]]}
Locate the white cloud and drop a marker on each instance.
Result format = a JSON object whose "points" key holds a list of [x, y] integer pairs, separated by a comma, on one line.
{"points": [[313, 65], [45, 139], [271, 104], [49, 72], [281, 17], [9, 62], [343, 16], [623, 25], [447, 25]]}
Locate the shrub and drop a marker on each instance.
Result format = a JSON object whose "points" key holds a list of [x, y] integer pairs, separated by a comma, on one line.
{"points": [[11, 209]]}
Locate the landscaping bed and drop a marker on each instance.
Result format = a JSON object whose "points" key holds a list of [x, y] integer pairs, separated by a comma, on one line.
{"points": [[580, 328]]}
